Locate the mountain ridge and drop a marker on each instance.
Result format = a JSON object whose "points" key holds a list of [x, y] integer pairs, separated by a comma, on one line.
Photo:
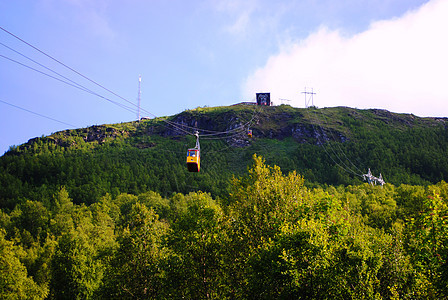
{"points": [[198, 119]]}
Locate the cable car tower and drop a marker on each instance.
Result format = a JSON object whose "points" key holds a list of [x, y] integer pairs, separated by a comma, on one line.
{"points": [[139, 95], [372, 179]]}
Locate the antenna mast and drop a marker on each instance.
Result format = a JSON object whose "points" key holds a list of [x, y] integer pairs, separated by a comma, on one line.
{"points": [[311, 98], [139, 95]]}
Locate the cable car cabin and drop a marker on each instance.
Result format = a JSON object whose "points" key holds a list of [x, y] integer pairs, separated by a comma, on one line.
{"points": [[193, 160], [249, 133]]}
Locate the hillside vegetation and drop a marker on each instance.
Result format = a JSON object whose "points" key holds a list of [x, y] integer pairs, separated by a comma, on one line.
{"points": [[110, 211], [270, 238], [327, 146]]}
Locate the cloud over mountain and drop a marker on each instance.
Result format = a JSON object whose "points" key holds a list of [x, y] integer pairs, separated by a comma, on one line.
{"points": [[393, 64]]}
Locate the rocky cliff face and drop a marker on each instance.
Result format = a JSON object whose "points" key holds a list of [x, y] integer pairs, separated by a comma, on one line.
{"points": [[263, 125], [69, 138]]}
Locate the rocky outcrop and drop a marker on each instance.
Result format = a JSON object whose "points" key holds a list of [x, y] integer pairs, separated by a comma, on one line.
{"points": [[268, 125]]}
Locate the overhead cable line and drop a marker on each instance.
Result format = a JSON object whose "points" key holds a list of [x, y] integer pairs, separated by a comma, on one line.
{"points": [[322, 143], [215, 132], [74, 84], [369, 177], [61, 63], [36, 62], [239, 128], [343, 166], [38, 114], [339, 147], [83, 76]]}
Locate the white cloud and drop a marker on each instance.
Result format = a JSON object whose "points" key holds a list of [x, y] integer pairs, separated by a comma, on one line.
{"points": [[399, 64], [240, 12], [89, 15]]}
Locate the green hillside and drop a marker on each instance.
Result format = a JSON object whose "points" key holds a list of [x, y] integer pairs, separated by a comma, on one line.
{"points": [[111, 212], [327, 146]]}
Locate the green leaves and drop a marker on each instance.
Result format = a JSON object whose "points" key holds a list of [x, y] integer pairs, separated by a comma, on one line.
{"points": [[135, 271], [14, 280], [270, 238], [196, 255]]}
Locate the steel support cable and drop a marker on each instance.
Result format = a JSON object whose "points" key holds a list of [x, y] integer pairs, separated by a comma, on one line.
{"points": [[230, 133], [38, 114], [85, 77], [71, 83], [224, 137], [348, 170], [221, 132], [176, 126], [79, 86], [239, 129], [61, 63], [75, 85], [213, 132], [45, 67], [237, 133], [339, 147], [43, 73], [330, 146], [73, 70], [234, 132]]}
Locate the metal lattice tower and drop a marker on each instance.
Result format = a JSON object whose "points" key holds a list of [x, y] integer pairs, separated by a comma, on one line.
{"points": [[311, 98], [372, 179], [139, 95]]}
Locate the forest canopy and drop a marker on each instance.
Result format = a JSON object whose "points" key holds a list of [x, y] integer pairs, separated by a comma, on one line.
{"points": [[270, 237]]}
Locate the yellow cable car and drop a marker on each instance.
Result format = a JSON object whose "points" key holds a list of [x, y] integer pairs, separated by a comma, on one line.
{"points": [[193, 160], [249, 133], [194, 156]]}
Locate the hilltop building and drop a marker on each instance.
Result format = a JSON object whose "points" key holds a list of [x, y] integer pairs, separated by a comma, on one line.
{"points": [[264, 99]]}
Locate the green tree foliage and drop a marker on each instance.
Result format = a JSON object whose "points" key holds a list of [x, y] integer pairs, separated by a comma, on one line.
{"points": [[14, 280], [32, 217], [428, 243], [259, 204], [135, 270], [195, 262], [78, 262], [271, 237]]}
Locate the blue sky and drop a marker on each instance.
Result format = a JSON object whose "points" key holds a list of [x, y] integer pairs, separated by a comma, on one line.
{"points": [[388, 54]]}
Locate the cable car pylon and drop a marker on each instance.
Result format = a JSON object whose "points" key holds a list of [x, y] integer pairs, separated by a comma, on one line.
{"points": [[372, 179]]}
